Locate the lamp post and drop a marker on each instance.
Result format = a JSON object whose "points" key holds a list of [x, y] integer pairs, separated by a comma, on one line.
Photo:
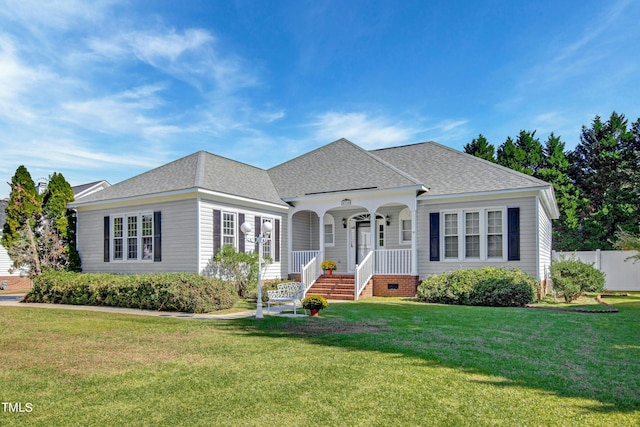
{"points": [[265, 229]]}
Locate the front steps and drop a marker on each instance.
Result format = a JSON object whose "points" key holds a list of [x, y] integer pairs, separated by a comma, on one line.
{"points": [[334, 286]]}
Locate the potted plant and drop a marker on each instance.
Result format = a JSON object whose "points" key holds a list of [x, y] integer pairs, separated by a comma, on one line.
{"points": [[314, 303], [328, 266]]}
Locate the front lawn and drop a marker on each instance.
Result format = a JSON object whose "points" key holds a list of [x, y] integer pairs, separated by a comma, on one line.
{"points": [[374, 362]]}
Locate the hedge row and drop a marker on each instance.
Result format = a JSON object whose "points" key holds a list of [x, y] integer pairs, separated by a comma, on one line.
{"points": [[185, 292], [496, 287]]}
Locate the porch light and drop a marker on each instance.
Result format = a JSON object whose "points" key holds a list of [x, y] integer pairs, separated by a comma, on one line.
{"points": [[344, 222], [265, 229], [388, 218]]}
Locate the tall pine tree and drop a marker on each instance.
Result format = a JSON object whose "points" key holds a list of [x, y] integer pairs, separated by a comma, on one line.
{"points": [[24, 206], [480, 147]]}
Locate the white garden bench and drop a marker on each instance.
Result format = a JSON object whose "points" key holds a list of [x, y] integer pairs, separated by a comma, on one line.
{"points": [[286, 292]]}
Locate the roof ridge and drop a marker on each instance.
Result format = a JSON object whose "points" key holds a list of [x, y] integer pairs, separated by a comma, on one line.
{"points": [[200, 169]]}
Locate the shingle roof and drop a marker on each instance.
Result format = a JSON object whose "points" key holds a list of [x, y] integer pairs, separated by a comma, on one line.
{"points": [[338, 166], [199, 170], [447, 171]]}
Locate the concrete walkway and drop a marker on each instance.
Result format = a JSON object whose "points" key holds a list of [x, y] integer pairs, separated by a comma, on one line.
{"points": [[14, 301]]}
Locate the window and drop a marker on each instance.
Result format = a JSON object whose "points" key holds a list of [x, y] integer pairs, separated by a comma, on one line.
{"points": [[266, 248], [405, 226], [328, 230], [494, 234], [117, 238], [451, 235], [229, 229], [147, 236], [481, 232], [472, 235], [381, 233], [137, 242]]}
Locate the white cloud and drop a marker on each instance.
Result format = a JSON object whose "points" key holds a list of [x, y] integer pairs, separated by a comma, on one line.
{"points": [[368, 132]]}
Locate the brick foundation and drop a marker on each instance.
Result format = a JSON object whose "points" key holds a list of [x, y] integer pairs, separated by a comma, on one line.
{"points": [[16, 282], [407, 286]]}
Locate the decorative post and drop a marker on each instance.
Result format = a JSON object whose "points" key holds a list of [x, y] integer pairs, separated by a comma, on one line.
{"points": [[265, 229]]}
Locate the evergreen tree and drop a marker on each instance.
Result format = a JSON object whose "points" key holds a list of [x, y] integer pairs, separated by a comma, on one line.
{"points": [[554, 170], [512, 156], [23, 209], [480, 147], [524, 154], [605, 166]]}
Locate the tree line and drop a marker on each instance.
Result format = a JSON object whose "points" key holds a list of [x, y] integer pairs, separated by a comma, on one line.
{"points": [[40, 232], [597, 184]]}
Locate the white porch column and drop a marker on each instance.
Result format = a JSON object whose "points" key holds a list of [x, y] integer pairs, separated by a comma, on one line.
{"points": [[414, 244], [289, 240], [321, 231]]}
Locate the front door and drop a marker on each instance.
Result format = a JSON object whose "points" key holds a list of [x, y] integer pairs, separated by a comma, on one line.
{"points": [[363, 240]]}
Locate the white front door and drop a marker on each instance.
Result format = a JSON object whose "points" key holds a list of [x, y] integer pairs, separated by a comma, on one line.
{"points": [[363, 240]]}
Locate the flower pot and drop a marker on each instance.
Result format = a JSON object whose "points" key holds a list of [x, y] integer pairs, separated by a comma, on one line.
{"points": [[328, 272], [313, 312]]}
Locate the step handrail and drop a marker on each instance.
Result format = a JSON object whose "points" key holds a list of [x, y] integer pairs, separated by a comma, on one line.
{"points": [[364, 272]]}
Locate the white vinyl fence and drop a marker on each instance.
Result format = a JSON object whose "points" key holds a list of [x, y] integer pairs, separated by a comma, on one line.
{"points": [[620, 275]]}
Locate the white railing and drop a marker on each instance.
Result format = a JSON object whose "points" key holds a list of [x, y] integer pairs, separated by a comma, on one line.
{"points": [[393, 262], [297, 259], [364, 272], [311, 271]]}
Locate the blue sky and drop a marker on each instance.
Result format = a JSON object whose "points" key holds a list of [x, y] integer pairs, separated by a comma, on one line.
{"points": [[107, 89]]}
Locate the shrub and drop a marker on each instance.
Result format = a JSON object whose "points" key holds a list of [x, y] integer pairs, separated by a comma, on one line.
{"points": [[497, 287], [167, 292], [572, 277], [239, 268]]}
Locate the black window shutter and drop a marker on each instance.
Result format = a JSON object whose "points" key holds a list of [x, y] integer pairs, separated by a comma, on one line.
{"points": [[434, 236], [216, 231], [157, 236], [241, 237], [106, 239], [276, 241], [513, 234], [257, 224]]}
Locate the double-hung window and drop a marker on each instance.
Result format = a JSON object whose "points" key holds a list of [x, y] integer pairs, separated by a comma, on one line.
{"points": [[451, 236], [266, 248], [132, 237], [494, 234], [474, 234], [329, 238], [229, 229], [405, 226]]}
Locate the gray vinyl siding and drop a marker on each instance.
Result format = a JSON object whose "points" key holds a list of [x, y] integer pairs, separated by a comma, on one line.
{"points": [[528, 236], [179, 237], [544, 241], [302, 231], [275, 269]]}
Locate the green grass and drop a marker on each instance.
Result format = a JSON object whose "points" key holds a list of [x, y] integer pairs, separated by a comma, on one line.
{"points": [[374, 362]]}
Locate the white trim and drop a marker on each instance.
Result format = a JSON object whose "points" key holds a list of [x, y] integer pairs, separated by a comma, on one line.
{"points": [[401, 240], [476, 194], [139, 237], [484, 233], [193, 192]]}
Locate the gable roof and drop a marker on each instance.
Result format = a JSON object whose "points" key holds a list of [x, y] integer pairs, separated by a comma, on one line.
{"points": [[201, 170], [447, 171], [83, 190], [335, 167]]}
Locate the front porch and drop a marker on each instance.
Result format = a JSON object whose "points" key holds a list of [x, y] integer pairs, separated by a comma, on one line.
{"points": [[383, 272]]}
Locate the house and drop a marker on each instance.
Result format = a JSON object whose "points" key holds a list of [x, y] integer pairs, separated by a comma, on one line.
{"points": [[388, 217]]}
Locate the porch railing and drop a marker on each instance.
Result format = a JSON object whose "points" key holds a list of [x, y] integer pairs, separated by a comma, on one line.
{"points": [[393, 262], [311, 271], [299, 258], [364, 272]]}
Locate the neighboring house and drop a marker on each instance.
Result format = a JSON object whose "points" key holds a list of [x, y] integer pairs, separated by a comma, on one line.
{"points": [[390, 217]]}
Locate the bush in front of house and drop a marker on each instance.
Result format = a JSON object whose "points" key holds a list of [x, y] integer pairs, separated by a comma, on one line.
{"points": [[185, 292], [496, 287], [572, 277]]}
